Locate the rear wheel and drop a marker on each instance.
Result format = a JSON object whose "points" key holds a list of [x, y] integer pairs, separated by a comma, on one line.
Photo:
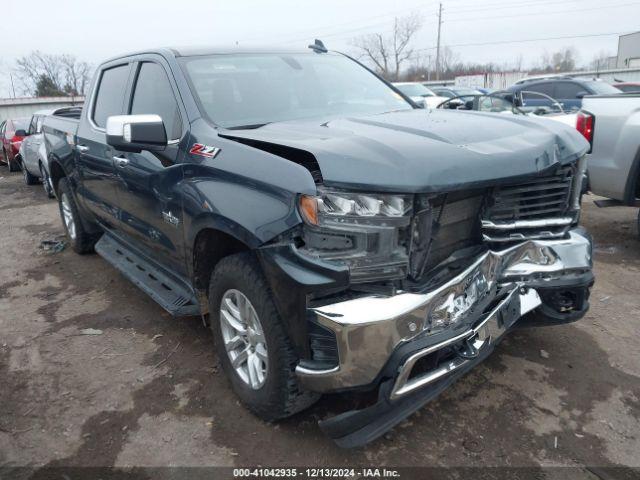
{"points": [[11, 164], [46, 182], [252, 344], [28, 178], [81, 241]]}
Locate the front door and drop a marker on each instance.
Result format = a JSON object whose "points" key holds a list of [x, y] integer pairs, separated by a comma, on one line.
{"points": [[97, 188], [150, 210]]}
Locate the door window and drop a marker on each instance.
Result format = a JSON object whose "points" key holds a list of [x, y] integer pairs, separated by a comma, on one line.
{"points": [[153, 95], [567, 90], [546, 88], [39, 121], [108, 101], [32, 125]]}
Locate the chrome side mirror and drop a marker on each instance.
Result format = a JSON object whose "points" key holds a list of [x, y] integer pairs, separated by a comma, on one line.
{"points": [[135, 133]]}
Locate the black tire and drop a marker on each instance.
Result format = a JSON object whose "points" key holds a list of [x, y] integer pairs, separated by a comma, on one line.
{"points": [[46, 182], [81, 241], [11, 164], [28, 178], [280, 396]]}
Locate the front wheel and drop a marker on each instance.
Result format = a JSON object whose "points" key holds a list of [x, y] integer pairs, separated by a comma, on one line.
{"points": [[81, 241], [252, 344], [46, 182]]}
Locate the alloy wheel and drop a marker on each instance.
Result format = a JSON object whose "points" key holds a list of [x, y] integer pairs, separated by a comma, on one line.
{"points": [[244, 338], [46, 181], [67, 216]]}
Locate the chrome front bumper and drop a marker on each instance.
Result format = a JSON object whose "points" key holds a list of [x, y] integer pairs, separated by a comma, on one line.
{"points": [[369, 329]]}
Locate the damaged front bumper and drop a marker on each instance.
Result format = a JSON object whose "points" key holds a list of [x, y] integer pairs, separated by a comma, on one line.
{"points": [[391, 343]]}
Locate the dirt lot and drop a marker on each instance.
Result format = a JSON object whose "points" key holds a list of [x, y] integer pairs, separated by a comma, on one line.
{"points": [[148, 392]]}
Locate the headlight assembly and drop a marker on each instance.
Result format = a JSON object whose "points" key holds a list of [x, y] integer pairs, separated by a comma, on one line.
{"points": [[367, 231]]}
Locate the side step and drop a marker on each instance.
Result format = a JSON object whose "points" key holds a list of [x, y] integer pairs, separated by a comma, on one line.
{"points": [[169, 294]]}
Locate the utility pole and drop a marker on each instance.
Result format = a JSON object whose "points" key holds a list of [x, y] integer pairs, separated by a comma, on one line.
{"points": [[12, 87], [438, 47]]}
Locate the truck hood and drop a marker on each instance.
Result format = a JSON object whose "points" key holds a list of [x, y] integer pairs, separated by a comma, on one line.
{"points": [[424, 151]]}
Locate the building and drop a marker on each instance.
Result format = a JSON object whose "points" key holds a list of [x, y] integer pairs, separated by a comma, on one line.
{"points": [[629, 51], [26, 106]]}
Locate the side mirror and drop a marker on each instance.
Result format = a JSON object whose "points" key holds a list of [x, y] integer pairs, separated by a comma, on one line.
{"points": [[581, 94], [135, 133], [21, 133]]}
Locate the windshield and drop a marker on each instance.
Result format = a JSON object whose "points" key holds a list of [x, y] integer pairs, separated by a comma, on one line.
{"points": [[21, 124], [415, 90], [466, 91], [443, 92], [250, 90], [603, 88], [630, 88]]}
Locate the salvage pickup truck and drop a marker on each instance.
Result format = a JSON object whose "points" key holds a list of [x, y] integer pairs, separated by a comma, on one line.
{"points": [[612, 123], [334, 236]]}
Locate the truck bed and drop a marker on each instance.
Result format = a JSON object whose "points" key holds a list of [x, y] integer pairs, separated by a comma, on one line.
{"points": [[614, 162]]}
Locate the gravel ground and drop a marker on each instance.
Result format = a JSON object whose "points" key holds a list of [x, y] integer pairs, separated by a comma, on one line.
{"points": [[147, 391]]}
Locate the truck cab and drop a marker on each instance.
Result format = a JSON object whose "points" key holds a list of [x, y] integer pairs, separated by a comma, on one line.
{"points": [[334, 237]]}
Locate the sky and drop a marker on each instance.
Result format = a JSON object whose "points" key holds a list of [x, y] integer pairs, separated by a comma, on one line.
{"points": [[476, 31]]}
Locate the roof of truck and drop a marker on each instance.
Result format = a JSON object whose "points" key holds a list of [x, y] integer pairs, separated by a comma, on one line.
{"points": [[188, 51]]}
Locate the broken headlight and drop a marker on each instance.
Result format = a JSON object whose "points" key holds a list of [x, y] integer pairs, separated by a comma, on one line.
{"points": [[368, 232]]}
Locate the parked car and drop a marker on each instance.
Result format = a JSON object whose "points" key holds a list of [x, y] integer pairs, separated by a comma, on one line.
{"points": [[451, 92], [612, 124], [35, 164], [337, 241], [567, 91], [30, 151], [420, 94], [12, 132], [628, 87]]}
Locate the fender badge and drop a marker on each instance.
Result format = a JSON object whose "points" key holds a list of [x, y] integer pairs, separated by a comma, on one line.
{"points": [[170, 218], [204, 150]]}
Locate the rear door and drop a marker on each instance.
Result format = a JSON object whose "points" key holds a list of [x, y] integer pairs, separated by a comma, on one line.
{"points": [[32, 145], [530, 99], [567, 94], [97, 188], [150, 208]]}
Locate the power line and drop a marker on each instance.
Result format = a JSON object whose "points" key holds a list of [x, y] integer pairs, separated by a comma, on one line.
{"points": [[503, 6], [493, 17], [539, 39], [385, 15]]}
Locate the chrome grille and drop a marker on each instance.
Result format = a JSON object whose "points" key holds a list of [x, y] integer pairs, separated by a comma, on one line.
{"points": [[535, 209], [535, 199]]}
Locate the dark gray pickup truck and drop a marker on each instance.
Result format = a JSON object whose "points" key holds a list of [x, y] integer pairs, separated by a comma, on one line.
{"points": [[334, 236]]}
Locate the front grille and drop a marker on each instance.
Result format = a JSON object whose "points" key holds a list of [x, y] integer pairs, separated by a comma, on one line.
{"points": [[537, 208], [456, 224], [446, 224], [535, 199]]}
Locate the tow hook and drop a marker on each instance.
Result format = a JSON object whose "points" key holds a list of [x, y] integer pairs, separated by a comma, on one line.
{"points": [[466, 349]]}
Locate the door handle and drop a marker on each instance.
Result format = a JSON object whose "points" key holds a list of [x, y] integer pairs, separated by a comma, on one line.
{"points": [[121, 161], [82, 148]]}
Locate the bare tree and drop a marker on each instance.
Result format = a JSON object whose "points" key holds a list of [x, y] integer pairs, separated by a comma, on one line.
{"points": [[563, 60], [42, 74], [389, 52], [600, 61]]}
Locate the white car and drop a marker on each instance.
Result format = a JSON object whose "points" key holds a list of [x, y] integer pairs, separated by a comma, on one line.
{"points": [[35, 162], [34, 166], [420, 94]]}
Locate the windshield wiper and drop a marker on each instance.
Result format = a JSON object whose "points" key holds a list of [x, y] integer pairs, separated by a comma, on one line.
{"points": [[251, 126]]}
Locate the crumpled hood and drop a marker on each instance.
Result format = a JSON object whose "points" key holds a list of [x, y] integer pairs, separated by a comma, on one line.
{"points": [[426, 151]]}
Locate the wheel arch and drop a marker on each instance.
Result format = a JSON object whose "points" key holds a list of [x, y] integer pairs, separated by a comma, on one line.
{"points": [[56, 172]]}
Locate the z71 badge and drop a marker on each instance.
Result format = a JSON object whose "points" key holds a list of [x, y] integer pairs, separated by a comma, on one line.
{"points": [[204, 150]]}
